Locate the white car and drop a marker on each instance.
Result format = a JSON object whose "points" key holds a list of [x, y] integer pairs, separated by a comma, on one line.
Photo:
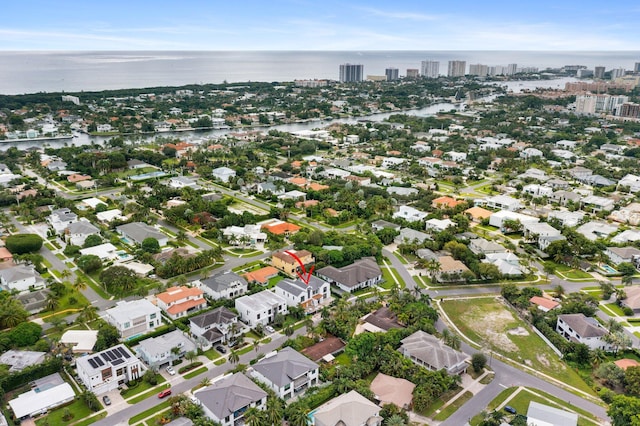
{"points": [[270, 329], [170, 370]]}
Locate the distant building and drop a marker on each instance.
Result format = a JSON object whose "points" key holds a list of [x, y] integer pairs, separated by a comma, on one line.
{"points": [[430, 69], [479, 70], [599, 72], [456, 68], [351, 73], [412, 73], [392, 74]]}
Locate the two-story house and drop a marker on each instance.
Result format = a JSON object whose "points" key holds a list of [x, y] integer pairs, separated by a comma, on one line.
{"points": [[362, 273], [181, 301], [134, 317], [308, 296], [223, 286], [619, 255], [77, 232], [287, 372], [106, 370], [60, 219], [581, 329], [226, 400], [288, 264], [161, 350], [215, 326], [260, 308]]}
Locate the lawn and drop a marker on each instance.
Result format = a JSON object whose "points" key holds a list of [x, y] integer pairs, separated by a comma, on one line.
{"points": [[400, 258], [212, 354], [451, 408], [150, 412], [195, 373], [388, 274], [248, 266], [141, 387], [78, 409], [617, 309], [490, 323], [220, 361]]}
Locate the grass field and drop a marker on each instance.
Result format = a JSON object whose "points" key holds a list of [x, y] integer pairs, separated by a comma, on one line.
{"points": [[150, 412], [451, 408], [490, 323], [77, 409]]}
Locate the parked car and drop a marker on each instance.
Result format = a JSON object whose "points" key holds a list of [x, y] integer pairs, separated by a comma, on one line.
{"points": [[510, 409], [170, 370], [270, 329], [164, 393], [106, 400], [221, 349]]}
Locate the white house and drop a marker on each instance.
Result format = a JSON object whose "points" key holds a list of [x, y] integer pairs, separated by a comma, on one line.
{"points": [[110, 215], [225, 174], [362, 273], [456, 156], [287, 372], [594, 230], [226, 400], [105, 371], [567, 218], [530, 153], [507, 263], [537, 190], [307, 296], [251, 234], [497, 219], [438, 225], [77, 232], [223, 286], [48, 393], [134, 317], [20, 278], [161, 350], [595, 203], [106, 251], [137, 232], [578, 327], [215, 326], [409, 214], [630, 181], [180, 182], [260, 308], [545, 415], [60, 219], [503, 202], [620, 255], [537, 231]]}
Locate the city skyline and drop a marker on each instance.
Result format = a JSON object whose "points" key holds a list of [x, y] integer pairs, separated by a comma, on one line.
{"points": [[302, 25]]}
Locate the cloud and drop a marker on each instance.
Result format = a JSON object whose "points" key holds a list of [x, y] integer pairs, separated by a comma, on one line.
{"points": [[405, 16]]}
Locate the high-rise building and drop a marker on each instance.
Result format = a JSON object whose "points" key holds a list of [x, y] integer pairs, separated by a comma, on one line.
{"points": [[599, 72], [412, 73], [497, 70], [636, 67], [456, 68], [617, 73], [630, 110], [430, 69], [392, 74], [584, 73], [351, 73], [479, 70], [603, 103], [511, 69]]}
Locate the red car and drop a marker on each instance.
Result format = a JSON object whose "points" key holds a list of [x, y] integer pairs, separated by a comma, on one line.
{"points": [[164, 393]]}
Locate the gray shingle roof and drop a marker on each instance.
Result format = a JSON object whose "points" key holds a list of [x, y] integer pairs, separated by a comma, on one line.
{"points": [[582, 325], [354, 274], [431, 350], [219, 315], [285, 366], [221, 282], [225, 397], [139, 231]]}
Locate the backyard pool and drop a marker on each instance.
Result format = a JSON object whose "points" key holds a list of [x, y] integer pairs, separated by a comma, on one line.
{"points": [[608, 269]]}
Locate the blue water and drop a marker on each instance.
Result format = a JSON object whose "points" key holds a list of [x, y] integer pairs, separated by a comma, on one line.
{"points": [[31, 72], [126, 240], [148, 175], [608, 269]]}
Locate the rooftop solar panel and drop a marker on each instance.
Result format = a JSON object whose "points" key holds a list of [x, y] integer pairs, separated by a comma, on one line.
{"points": [[124, 353], [92, 363], [118, 361], [98, 361], [105, 357]]}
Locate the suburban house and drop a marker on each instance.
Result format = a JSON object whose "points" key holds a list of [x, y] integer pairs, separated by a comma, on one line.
{"points": [[180, 182], [212, 327], [287, 372], [507, 263], [180, 301], [80, 341], [110, 215], [632, 299], [137, 232], [450, 269], [47, 393], [60, 219], [260, 308], [105, 252], [161, 350], [33, 301], [134, 317], [581, 329], [325, 350], [392, 390], [347, 409], [379, 225], [438, 225], [545, 415], [540, 233], [380, 321], [278, 227], [226, 400], [619, 255], [430, 352], [223, 286], [288, 264], [105, 371], [362, 273], [596, 229], [262, 275], [500, 202], [18, 360], [21, 278], [78, 231], [308, 296], [478, 214], [499, 218], [408, 235], [225, 174], [481, 246], [544, 304], [409, 214], [247, 235]]}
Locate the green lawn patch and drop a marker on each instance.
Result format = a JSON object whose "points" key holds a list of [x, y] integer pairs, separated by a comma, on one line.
{"points": [[576, 274], [141, 387], [451, 408], [615, 308], [144, 396], [49, 246], [248, 266], [150, 412], [491, 324], [91, 419], [91, 283], [77, 408], [194, 373], [400, 258], [343, 359], [212, 354], [388, 281], [220, 361], [636, 333]]}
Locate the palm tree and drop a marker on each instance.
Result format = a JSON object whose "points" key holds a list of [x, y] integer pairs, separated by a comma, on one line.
{"points": [[289, 330], [205, 382], [274, 411], [89, 313], [190, 356], [234, 357], [79, 284], [256, 345], [254, 417], [395, 420], [53, 301], [559, 291], [299, 416], [598, 356], [64, 274]]}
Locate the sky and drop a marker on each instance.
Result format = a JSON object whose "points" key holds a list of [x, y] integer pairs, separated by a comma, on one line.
{"points": [[37, 25]]}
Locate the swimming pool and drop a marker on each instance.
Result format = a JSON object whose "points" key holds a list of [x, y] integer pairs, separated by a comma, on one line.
{"points": [[126, 240], [608, 269]]}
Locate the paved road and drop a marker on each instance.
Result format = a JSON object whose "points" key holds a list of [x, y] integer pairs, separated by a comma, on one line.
{"points": [[179, 385]]}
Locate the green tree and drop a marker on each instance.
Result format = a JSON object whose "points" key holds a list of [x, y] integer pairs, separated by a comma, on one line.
{"points": [[625, 411], [25, 334], [234, 357], [92, 241], [478, 361], [274, 411], [254, 417], [107, 336], [632, 381], [89, 263], [23, 243], [150, 245]]}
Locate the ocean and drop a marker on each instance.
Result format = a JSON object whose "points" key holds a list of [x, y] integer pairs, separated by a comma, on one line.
{"points": [[31, 72]]}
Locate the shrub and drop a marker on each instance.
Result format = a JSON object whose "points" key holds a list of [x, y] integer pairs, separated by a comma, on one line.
{"points": [[23, 243]]}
